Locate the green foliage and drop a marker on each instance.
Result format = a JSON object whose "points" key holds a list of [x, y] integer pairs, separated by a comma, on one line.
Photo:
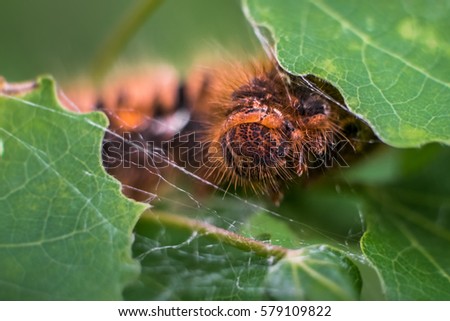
{"points": [[65, 229]]}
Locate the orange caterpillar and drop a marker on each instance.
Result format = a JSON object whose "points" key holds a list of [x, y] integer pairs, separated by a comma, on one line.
{"points": [[250, 125]]}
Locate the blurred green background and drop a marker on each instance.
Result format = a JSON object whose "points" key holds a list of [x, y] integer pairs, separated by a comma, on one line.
{"points": [[61, 38]]}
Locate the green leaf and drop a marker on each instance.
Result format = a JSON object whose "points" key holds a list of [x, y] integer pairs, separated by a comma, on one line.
{"points": [[389, 59], [65, 228], [316, 272], [408, 236]]}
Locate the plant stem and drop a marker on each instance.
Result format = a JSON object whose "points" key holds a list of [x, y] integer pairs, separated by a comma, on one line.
{"points": [[227, 237], [120, 36]]}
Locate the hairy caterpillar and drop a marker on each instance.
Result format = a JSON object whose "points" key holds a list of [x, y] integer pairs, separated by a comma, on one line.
{"points": [[249, 125]]}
